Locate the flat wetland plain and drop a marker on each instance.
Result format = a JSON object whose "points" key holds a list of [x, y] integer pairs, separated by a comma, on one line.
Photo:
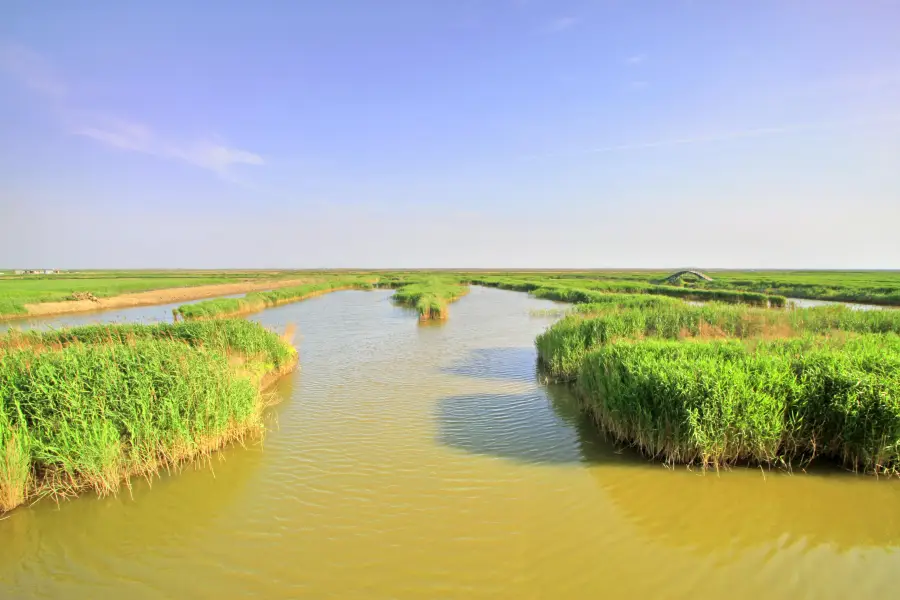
{"points": [[554, 434], [21, 295]]}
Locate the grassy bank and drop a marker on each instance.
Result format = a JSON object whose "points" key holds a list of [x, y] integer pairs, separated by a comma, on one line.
{"points": [[719, 384], [563, 346], [89, 407], [866, 287], [745, 287], [718, 403], [256, 301], [582, 290], [17, 291], [429, 297]]}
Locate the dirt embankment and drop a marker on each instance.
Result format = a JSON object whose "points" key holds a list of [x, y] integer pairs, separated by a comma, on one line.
{"points": [[149, 298]]}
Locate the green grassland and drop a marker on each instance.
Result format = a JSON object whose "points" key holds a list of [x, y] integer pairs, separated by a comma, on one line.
{"points": [[16, 291], [589, 290], [875, 287], [868, 287]]}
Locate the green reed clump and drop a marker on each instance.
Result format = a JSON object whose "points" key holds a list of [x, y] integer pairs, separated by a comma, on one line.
{"points": [[562, 347], [850, 408], [776, 301], [576, 295], [430, 297], [697, 294], [291, 294], [886, 296], [582, 296], [872, 287], [224, 335], [841, 318], [255, 301], [89, 407], [586, 291], [15, 456], [507, 283], [603, 302], [717, 403], [729, 296], [211, 309], [684, 402]]}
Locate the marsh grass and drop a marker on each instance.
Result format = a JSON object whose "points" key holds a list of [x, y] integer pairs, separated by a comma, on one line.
{"points": [[563, 346], [872, 287], [17, 291], [867, 287], [90, 407], [778, 402], [429, 297], [256, 301], [583, 291], [718, 384]]}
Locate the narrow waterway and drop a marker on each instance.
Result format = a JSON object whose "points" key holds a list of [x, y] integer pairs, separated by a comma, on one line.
{"points": [[410, 461], [158, 313], [810, 303]]}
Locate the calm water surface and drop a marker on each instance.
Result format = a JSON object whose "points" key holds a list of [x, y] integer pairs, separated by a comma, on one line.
{"points": [[410, 461], [810, 303], [159, 313]]}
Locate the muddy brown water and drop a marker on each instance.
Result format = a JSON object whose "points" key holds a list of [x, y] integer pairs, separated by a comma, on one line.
{"points": [[410, 461]]}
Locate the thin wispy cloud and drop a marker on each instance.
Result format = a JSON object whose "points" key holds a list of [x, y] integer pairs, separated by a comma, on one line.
{"points": [[31, 70], [636, 59], [137, 137], [37, 75], [561, 24]]}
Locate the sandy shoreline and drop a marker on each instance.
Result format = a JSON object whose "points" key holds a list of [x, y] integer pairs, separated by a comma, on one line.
{"points": [[151, 297]]}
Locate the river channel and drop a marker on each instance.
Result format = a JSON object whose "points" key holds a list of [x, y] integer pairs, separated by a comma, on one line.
{"points": [[428, 461]]}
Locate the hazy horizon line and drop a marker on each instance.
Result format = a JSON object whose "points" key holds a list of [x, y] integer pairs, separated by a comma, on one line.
{"points": [[508, 269]]}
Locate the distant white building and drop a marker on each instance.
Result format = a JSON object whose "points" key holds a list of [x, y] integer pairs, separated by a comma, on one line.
{"points": [[19, 272]]}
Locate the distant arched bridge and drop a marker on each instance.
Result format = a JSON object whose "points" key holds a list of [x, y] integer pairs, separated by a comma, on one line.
{"points": [[674, 276]]}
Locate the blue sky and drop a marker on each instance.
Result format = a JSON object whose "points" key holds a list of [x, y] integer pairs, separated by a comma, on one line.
{"points": [[466, 133]]}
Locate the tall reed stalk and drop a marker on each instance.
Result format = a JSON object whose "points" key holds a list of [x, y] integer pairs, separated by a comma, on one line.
{"points": [[429, 297], [719, 384], [89, 407]]}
